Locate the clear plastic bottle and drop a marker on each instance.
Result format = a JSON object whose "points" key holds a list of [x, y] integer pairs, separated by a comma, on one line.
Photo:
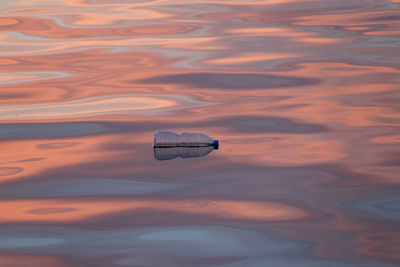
{"points": [[171, 139]]}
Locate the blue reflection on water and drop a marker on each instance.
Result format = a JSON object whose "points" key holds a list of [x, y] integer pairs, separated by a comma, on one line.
{"points": [[238, 246]]}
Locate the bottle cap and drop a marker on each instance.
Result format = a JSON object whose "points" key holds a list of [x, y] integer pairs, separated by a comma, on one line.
{"points": [[215, 144]]}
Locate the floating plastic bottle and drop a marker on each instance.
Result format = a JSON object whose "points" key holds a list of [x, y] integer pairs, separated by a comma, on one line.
{"points": [[171, 139], [169, 145]]}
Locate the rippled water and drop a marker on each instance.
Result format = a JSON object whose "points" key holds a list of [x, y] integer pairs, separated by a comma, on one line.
{"points": [[303, 97]]}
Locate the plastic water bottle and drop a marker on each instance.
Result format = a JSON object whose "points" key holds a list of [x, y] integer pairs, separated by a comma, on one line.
{"points": [[171, 139]]}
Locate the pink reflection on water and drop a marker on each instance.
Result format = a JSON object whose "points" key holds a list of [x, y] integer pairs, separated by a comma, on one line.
{"points": [[52, 211]]}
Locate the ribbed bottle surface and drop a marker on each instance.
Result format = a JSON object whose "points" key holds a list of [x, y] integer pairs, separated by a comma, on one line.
{"points": [[171, 139]]}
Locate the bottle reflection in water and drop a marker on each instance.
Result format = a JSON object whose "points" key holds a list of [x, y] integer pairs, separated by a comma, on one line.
{"points": [[169, 145], [166, 153]]}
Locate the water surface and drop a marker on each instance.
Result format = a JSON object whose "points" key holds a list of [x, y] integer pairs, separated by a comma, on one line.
{"points": [[302, 95]]}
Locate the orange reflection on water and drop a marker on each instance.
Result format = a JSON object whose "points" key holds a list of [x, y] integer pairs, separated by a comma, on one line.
{"points": [[9, 260], [15, 45], [86, 107], [235, 2], [72, 11], [33, 157], [347, 19], [49, 29], [295, 35], [325, 103], [386, 139], [75, 210], [249, 57], [282, 149], [362, 21]]}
